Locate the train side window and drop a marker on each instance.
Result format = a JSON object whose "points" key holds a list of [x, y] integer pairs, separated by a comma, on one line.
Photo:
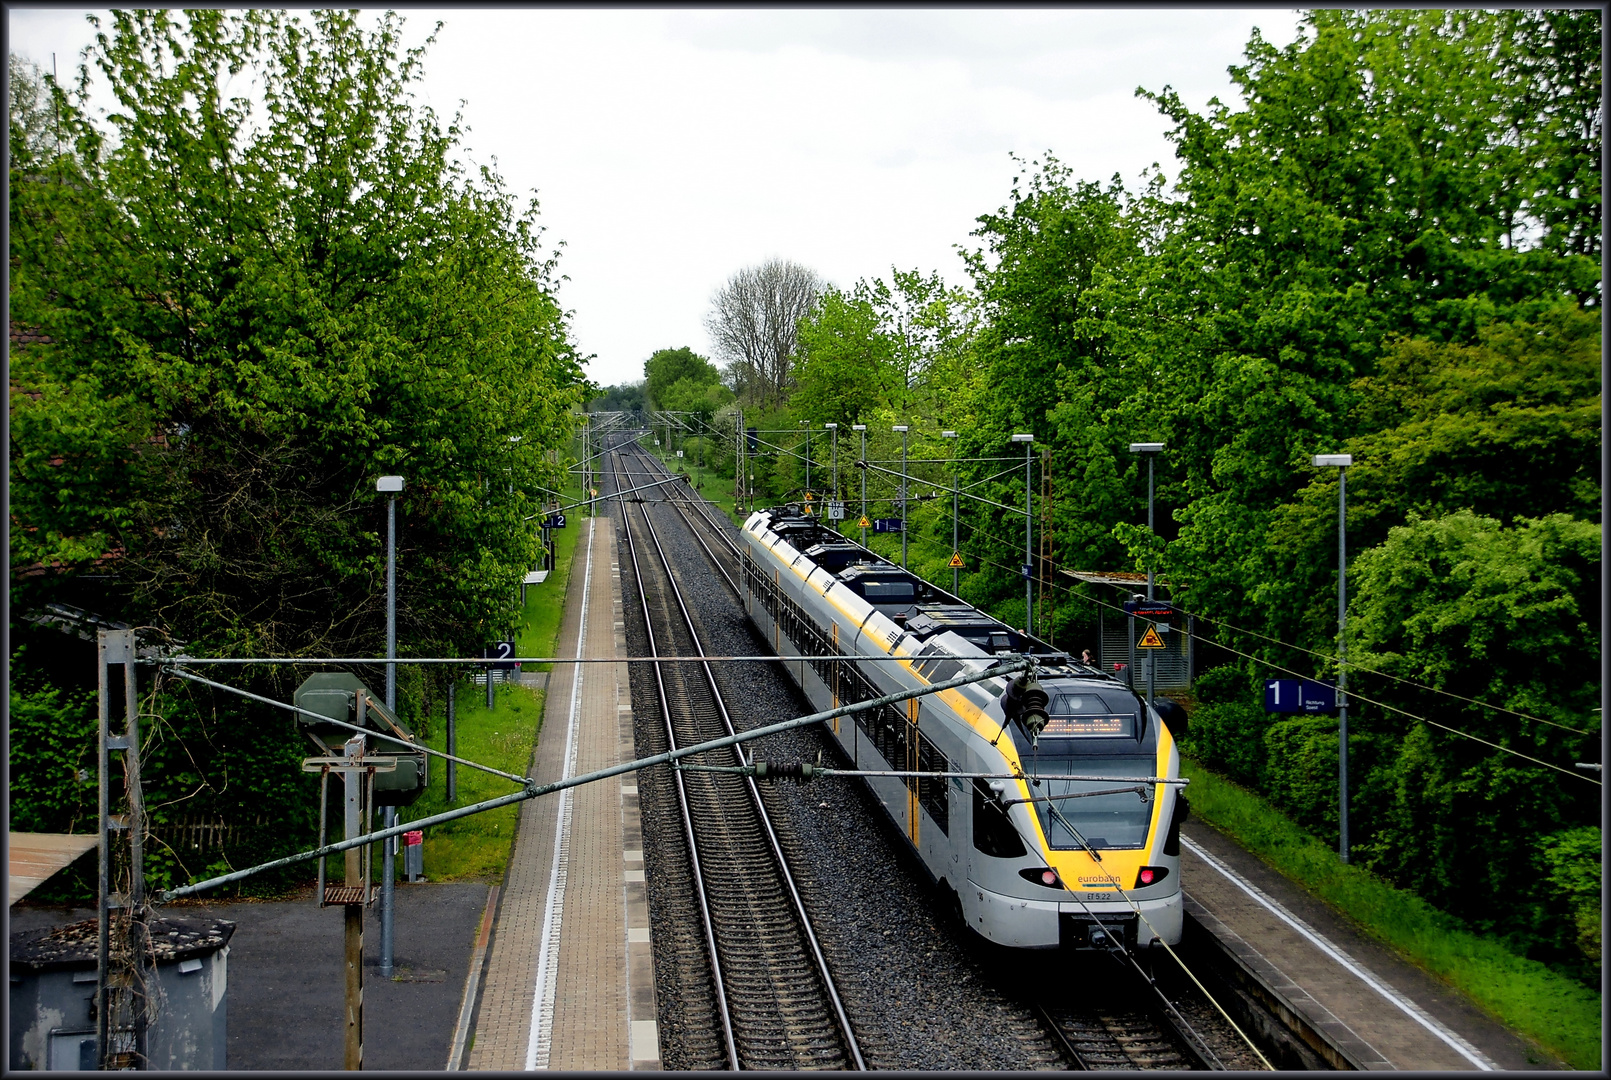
{"points": [[993, 833], [931, 793]]}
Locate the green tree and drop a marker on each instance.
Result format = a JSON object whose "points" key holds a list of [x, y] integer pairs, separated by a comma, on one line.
{"points": [[845, 367], [1506, 615], [626, 397], [692, 395], [251, 312], [1385, 181], [669, 366]]}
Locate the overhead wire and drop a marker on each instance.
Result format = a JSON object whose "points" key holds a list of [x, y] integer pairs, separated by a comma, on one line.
{"points": [[1289, 671], [1368, 700], [1350, 665]]}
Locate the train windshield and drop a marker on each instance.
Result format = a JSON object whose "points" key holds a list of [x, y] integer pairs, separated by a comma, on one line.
{"points": [[1116, 818]]}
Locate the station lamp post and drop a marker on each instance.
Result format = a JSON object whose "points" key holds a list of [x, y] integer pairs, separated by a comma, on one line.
{"points": [[1029, 521], [955, 549], [807, 461], [863, 429], [1149, 450], [902, 429], [1340, 462], [833, 434], [392, 486]]}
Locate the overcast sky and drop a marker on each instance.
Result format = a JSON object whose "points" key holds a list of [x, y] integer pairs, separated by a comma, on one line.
{"points": [[672, 148]]}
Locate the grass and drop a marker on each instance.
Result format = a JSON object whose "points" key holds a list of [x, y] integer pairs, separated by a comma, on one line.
{"points": [[1557, 1012], [477, 847]]}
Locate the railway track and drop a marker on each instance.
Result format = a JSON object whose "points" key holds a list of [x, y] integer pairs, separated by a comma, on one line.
{"points": [[769, 996], [1128, 1025], [1116, 1037]]}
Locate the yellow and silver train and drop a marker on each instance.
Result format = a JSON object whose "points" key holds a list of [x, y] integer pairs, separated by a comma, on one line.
{"points": [[1035, 862]]}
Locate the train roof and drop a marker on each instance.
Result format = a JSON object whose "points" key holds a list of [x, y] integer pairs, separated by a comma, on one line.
{"points": [[921, 608]]}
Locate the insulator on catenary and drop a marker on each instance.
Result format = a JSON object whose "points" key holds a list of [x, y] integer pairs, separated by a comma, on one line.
{"points": [[800, 770]]}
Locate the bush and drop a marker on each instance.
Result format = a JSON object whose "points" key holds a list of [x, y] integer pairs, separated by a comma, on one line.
{"points": [[1230, 736], [1300, 770], [53, 732]]}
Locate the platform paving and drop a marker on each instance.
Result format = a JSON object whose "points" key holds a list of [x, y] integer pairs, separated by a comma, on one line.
{"points": [[1326, 976], [569, 982]]}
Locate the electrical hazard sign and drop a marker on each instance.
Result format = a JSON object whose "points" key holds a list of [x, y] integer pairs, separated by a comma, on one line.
{"points": [[1150, 640], [956, 560], [864, 523]]}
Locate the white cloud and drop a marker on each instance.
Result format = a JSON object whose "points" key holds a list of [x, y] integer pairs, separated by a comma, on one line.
{"points": [[671, 148]]}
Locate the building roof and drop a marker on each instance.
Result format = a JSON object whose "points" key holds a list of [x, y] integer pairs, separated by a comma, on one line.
{"points": [[33, 857], [1117, 578], [53, 948]]}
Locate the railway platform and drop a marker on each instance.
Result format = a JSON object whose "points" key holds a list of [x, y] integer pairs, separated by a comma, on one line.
{"points": [[569, 980], [1367, 1007]]}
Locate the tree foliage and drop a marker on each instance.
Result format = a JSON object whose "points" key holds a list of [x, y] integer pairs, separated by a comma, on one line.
{"points": [[1388, 245], [251, 312], [666, 367]]}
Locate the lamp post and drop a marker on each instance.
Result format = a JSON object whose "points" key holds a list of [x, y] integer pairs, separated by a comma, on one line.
{"points": [[863, 429], [807, 461], [1029, 521], [1340, 462], [833, 436], [393, 486], [902, 429], [955, 550], [1149, 450]]}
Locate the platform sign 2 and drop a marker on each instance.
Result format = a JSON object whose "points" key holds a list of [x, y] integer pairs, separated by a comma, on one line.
{"points": [[500, 652], [1299, 696]]}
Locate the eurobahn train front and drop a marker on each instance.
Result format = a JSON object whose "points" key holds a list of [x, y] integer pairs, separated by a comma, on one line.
{"points": [[1087, 845]]}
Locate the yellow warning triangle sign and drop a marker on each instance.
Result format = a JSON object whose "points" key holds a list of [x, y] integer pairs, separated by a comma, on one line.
{"points": [[1150, 640], [956, 560], [864, 523], [809, 496]]}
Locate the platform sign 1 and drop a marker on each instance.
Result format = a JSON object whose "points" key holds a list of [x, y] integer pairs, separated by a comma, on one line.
{"points": [[888, 525], [1299, 696]]}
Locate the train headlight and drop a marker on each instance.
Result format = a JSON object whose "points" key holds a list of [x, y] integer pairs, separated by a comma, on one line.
{"points": [[1151, 875]]}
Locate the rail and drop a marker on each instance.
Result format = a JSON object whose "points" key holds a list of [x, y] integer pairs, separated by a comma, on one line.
{"points": [[821, 972]]}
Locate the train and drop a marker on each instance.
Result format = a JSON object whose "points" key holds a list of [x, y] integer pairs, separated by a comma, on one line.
{"points": [[1034, 862]]}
